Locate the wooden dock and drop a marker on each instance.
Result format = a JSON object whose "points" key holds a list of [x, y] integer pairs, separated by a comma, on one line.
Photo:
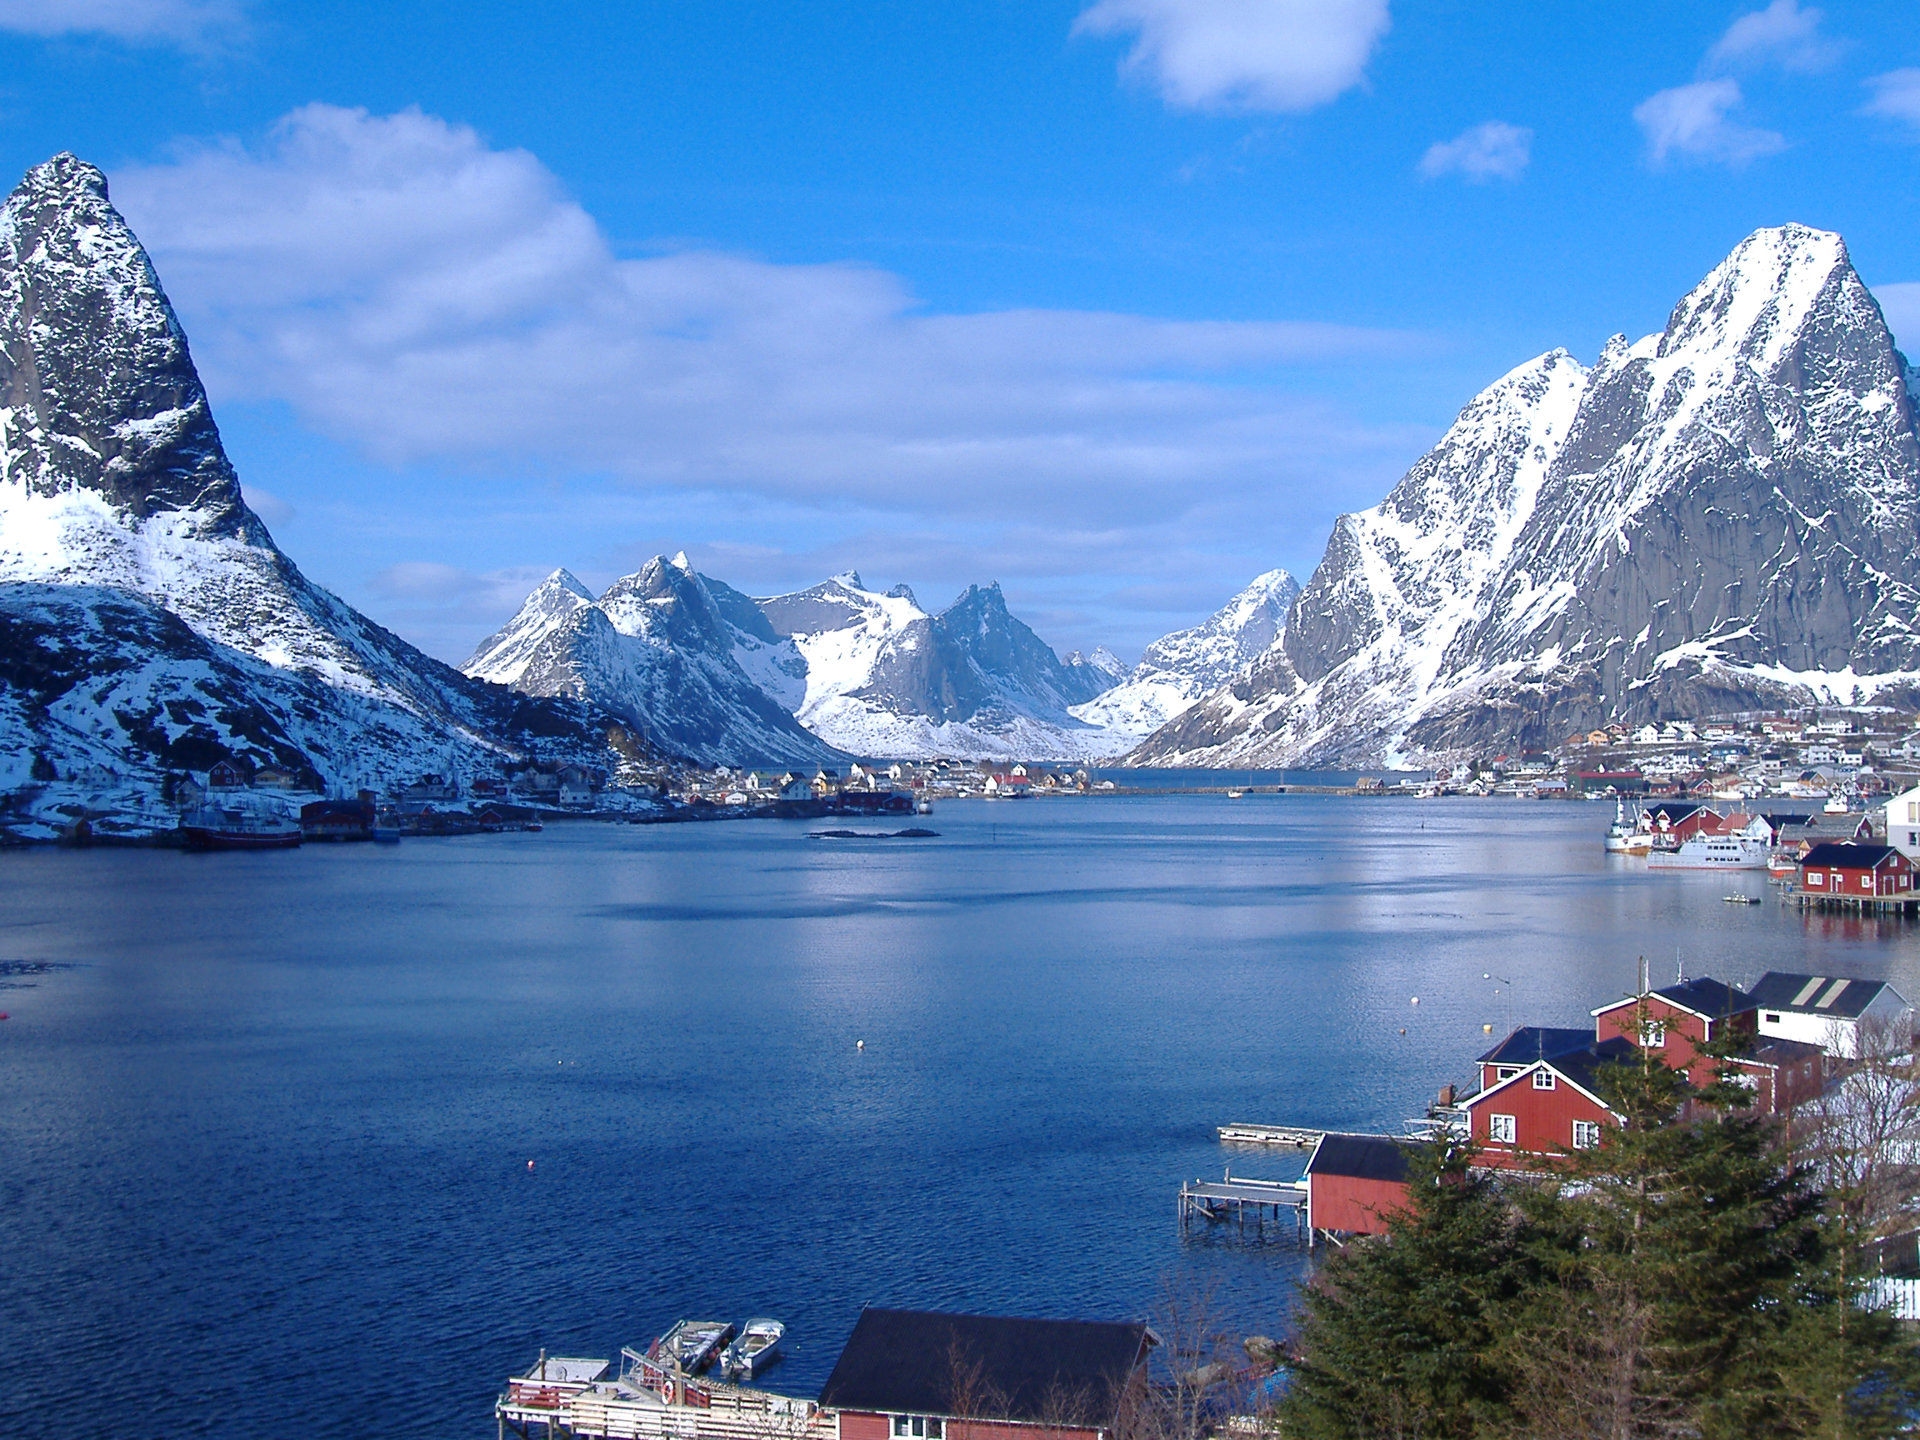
{"points": [[1291, 1136], [1906, 904], [1238, 1199]]}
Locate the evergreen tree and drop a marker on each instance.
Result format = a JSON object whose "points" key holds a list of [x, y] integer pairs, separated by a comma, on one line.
{"points": [[1397, 1336]]}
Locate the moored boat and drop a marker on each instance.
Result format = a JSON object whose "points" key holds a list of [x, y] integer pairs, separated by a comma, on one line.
{"points": [[756, 1348], [239, 824], [1712, 852], [692, 1345]]}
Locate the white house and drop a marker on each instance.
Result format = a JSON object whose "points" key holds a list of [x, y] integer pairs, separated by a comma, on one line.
{"points": [[1903, 823], [1829, 1011]]}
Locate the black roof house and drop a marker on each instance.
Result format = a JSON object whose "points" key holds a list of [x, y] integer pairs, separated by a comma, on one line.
{"points": [[1847, 855], [990, 1367], [1360, 1157]]}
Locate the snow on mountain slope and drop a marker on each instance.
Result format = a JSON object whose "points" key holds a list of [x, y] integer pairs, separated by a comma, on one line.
{"points": [[117, 502], [885, 678], [1720, 517], [1181, 668], [658, 650]]}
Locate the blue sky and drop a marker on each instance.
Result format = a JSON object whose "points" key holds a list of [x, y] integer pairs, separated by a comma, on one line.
{"points": [[1116, 301]]}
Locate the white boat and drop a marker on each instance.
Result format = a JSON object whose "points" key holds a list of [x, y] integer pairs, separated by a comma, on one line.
{"points": [[1713, 852], [1836, 805], [754, 1350], [1236, 794], [1625, 839], [692, 1345]]}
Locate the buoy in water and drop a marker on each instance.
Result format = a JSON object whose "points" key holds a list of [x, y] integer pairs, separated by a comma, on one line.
{"points": [[1403, 1029], [1416, 999], [1486, 1029], [859, 1044], [529, 1164]]}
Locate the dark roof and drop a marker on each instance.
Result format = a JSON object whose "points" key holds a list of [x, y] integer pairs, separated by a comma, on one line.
{"points": [[1768, 1050], [1845, 855], [1581, 1066], [1706, 997], [1817, 994], [1674, 810], [1537, 1042], [1359, 1157], [988, 1366]]}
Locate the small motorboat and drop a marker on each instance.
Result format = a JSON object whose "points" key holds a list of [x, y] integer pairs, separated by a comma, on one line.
{"points": [[692, 1345], [1236, 794], [1741, 899], [756, 1348]]}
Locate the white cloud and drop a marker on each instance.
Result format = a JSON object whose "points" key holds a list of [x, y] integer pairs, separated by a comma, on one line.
{"points": [[1492, 150], [1692, 122], [182, 22], [267, 505], [424, 297], [1782, 34], [1896, 95], [1277, 55], [1900, 303]]}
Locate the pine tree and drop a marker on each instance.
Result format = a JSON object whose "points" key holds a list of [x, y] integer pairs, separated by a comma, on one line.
{"points": [[1397, 1335]]}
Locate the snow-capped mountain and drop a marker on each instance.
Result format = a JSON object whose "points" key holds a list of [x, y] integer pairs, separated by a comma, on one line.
{"points": [[1720, 517], [662, 651], [883, 677], [147, 620], [1178, 670]]}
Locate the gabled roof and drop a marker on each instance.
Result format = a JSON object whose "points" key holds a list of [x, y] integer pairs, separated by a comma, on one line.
{"points": [[1582, 1066], [986, 1366], [1359, 1157], [1819, 995], [1847, 855], [1708, 998], [1536, 1042]]}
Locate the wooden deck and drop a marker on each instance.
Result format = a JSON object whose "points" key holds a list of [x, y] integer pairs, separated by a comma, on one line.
{"points": [[1241, 1201], [1293, 1136]]}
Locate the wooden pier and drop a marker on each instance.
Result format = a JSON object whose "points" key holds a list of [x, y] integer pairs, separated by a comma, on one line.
{"points": [[1237, 1199], [1291, 1136], [1904, 904]]}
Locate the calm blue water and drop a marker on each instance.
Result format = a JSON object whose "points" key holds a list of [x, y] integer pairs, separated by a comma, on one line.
{"points": [[264, 1129]]}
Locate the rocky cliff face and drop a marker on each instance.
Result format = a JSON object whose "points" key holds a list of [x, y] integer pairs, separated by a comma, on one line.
{"points": [[1720, 517], [659, 650], [129, 558], [1179, 669]]}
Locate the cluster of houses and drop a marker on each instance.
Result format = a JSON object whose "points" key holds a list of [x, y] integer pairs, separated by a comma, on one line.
{"points": [[928, 779], [1814, 757], [1536, 1097]]}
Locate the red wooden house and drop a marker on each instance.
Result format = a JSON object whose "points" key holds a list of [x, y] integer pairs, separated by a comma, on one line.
{"points": [[1674, 1020], [1855, 871], [923, 1375], [1354, 1182], [1545, 1109]]}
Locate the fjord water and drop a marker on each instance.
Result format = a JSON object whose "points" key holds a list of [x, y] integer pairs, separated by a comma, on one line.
{"points": [[265, 1120]]}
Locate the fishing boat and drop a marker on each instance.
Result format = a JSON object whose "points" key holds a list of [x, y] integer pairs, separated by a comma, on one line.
{"points": [[756, 1348], [1624, 838], [1712, 852], [1837, 804], [240, 823], [692, 1345]]}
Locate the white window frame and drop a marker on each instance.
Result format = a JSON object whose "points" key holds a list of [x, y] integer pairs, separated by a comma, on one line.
{"points": [[1503, 1129], [1543, 1079], [1586, 1134], [1653, 1034]]}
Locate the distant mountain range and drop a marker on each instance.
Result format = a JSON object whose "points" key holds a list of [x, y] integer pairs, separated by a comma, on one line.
{"points": [[699, 667], [1720, 517]]}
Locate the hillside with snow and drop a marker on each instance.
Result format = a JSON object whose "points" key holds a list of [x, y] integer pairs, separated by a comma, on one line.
{"points": [[1720, 517], [148, 623]]}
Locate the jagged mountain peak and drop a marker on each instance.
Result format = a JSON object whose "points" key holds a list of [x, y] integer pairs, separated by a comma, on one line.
{"points": [[98, 392], [565, 581], [1756, 300]]}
